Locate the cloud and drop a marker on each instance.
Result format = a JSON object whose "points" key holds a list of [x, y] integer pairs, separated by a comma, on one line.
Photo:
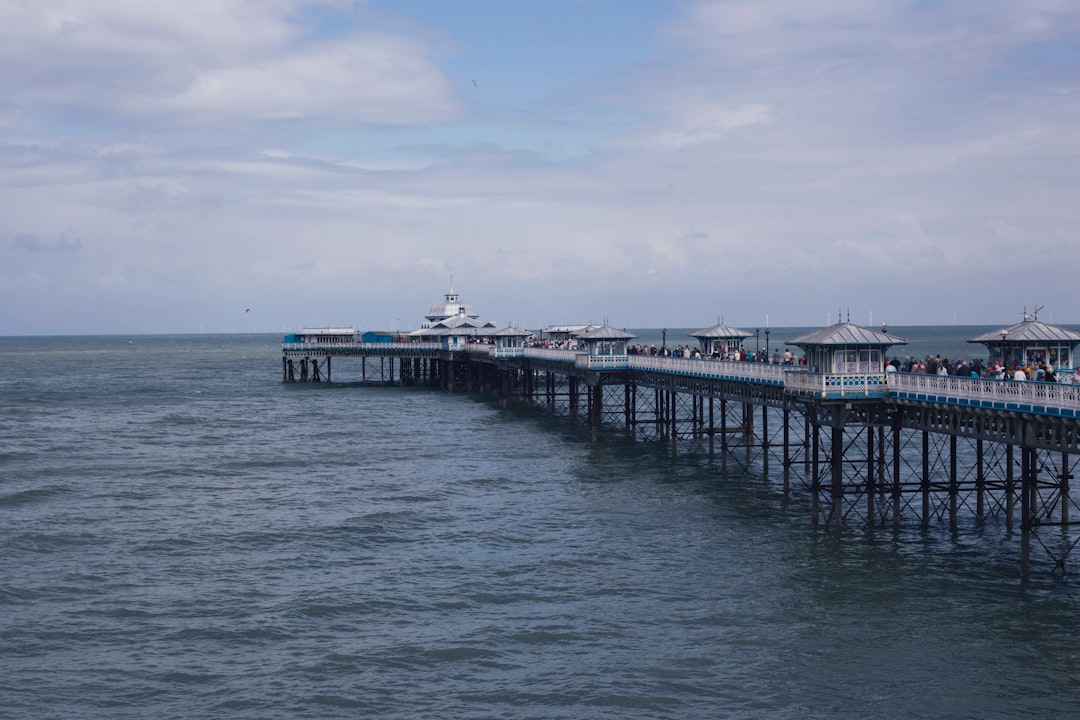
{"points": [[65, 243], [710, 121], [205, 60], [368, 79]]}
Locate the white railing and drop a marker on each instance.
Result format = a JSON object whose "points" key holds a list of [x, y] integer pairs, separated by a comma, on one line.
{"points": [[700, 368], [836, 385], [601, 362], [546, 354], [710, 368], [350, 345], [987, 390]]}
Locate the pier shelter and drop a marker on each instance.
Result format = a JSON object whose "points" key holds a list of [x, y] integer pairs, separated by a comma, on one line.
{"points": [[720, 340], [605, 348], [843, 359], [1031, 342], [509, 342], [846, 348], [322, 336], [567, 333]]}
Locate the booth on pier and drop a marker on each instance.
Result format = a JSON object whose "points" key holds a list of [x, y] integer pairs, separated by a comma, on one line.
{"points": [[720, 340], [1030, 343], [566, 334], [321, 336], [605, 349], [509, 342], [842, 360]]}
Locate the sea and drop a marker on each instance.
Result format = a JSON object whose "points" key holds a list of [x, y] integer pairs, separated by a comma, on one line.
{"points": [[184, 536]]}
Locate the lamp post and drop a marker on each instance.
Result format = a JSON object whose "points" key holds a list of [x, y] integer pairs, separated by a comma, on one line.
{"points": [[757, 343], [1004, 353], [663, 341], [766, 342]]}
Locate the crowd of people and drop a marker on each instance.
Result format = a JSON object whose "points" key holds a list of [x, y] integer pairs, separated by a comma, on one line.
{"points": [[930, 365], [936, 365], [739, 355]]}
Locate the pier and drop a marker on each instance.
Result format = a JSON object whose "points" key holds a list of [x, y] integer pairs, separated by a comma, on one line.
{"points": [[874, 448]]}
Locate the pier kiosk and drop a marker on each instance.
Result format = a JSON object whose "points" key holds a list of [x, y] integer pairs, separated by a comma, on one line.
{"points": [[605, 349], [842, 360], [509, 342], [323, 336], [1031, 342], [720, 340], [566, 334]]}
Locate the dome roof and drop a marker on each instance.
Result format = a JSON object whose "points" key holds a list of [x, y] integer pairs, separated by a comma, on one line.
{"points": [[450, 307]]}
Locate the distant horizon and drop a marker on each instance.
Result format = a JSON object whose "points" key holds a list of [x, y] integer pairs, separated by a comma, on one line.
{"points": [[658, 328]]}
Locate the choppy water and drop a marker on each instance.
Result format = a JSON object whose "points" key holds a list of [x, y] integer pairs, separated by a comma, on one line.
{"points": [[184, 536]]}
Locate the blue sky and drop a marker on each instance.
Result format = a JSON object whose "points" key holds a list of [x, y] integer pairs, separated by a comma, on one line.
{"points": [[165, 166]]}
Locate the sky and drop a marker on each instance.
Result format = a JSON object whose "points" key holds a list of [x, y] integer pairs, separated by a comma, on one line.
{"points": [[268, 165]]}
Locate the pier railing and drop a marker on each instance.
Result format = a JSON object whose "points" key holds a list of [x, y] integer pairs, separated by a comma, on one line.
{"points": [[359, 347], [501, 352], [996, 394], [601, 362], [718, 369], [546, 354], [835, 385]]}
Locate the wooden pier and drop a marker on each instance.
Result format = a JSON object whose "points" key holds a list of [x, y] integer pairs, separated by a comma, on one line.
{"points": [[874, 449]]}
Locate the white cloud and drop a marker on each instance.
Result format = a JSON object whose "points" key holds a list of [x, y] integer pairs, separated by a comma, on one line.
{"points": [[244, 60], [702, 123], [368, 79]]}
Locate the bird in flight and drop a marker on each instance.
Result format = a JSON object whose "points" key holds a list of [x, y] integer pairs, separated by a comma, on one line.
{"points": [[474, 82], [248, 310]]}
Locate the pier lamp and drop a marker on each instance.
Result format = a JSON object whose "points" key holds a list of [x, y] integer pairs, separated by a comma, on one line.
{"points": [[766, 341], [1004, 354], [757, 342], [663, 341]]}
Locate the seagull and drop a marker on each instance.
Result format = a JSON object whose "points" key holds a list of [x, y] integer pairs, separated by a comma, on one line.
{"points": [[248, 310], [474, 82]]}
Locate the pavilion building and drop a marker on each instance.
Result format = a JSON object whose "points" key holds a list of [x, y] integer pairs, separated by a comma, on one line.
{"points": [[1030, 343]]}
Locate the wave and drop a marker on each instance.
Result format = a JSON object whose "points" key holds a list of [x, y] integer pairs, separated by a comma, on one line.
{"points": [[24, 497]]}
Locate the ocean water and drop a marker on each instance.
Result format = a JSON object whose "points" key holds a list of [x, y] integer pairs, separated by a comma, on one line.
{"points": [[185, 536]]}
